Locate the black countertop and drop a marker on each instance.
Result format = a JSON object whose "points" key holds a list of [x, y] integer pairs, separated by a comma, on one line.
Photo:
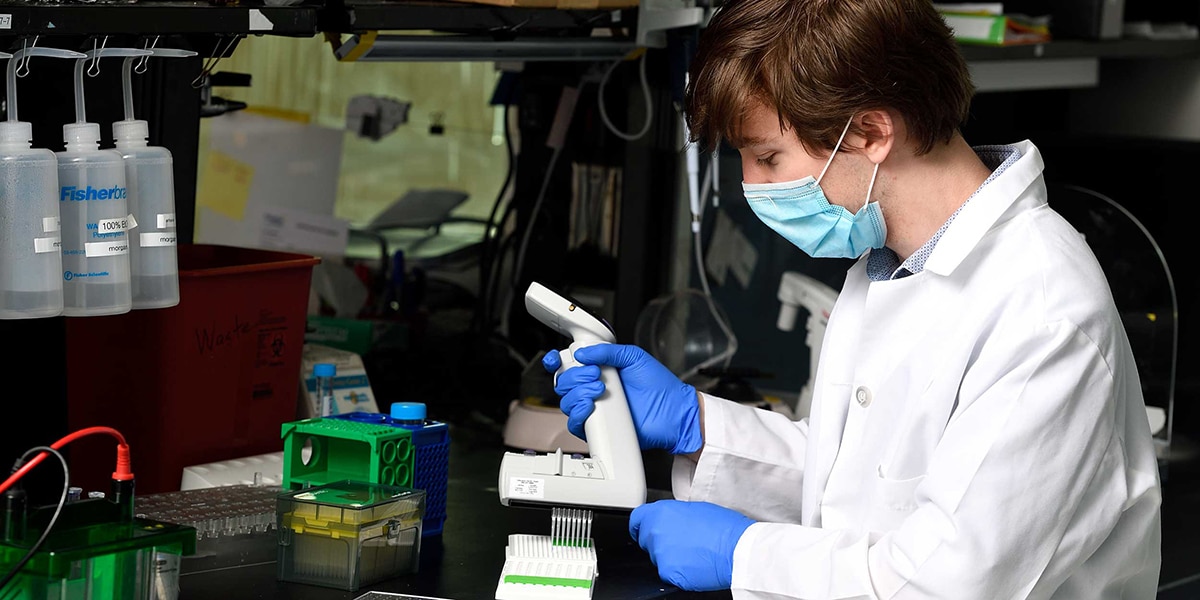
{"points": [[465, 561]]}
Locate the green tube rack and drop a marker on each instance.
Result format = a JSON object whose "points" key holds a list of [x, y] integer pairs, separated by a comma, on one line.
{"points": [[322, 451]]}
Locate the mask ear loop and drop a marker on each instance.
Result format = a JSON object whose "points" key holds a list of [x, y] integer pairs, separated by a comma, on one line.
{"points": [[835, 150], [872, 186]]}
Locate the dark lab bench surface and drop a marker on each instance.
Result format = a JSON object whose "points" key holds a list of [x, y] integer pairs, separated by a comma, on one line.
{"points": [[464, 563]]}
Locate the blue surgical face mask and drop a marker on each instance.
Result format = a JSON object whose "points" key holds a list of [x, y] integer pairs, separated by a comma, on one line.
{"points": [[800, 212]]}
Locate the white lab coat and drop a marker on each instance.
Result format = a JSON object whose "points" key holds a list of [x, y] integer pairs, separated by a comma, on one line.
{"points": [[977, 432]]}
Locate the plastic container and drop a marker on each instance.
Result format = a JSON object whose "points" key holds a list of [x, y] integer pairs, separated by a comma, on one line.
{"points": [[235, 524], [98, 551], [210, 379], [149, 173], [347, 534], [31, 273], [94, 212], [325, 372]]}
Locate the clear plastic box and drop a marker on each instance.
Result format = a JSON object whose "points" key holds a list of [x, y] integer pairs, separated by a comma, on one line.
{"points": [[235, 525], [349, 534]]}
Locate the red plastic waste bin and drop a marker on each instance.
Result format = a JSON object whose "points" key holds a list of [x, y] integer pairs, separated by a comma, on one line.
{"points": [[210, 379]]}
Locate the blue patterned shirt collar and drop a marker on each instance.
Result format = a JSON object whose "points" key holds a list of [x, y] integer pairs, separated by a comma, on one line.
{"points": [[883, 264]]}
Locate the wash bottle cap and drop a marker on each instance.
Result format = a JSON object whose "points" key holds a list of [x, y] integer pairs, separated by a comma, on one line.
{"points": [[130, 130], [81, 133]]}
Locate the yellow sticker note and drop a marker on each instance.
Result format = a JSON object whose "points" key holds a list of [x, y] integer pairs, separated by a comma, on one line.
{"points": [[225, 185]]}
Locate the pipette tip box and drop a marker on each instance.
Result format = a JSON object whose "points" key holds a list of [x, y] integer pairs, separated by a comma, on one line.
{"points": [[349, 534]]}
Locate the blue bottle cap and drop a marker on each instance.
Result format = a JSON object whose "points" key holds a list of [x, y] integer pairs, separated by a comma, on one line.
{"points": [[408, 411], [324, 370]]}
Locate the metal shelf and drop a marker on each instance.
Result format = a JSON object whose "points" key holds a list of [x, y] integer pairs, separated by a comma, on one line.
{"points": [[1061, 64], [1063, 49], [183, 17], [154, 17], [359, 16]]}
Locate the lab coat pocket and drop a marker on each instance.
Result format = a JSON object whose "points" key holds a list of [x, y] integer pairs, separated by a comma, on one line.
{"points": [[894, 500]]}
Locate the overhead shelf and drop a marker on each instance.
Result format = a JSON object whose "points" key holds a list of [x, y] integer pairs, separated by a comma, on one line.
{"points": [[1061, 64], [359, 16], [167, 17], [154, 17], [499, 33], [1068, 49]]}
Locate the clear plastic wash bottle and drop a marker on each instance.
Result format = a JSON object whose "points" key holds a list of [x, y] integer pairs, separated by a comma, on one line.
{"points": [[149, 173], [31, 274], [94, 210]]}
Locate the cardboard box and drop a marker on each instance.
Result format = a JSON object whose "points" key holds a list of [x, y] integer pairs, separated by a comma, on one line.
{"points": [[352, 388]]}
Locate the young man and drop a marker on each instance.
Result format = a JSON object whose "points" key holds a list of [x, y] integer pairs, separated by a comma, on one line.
{"points": [[978, 429]]}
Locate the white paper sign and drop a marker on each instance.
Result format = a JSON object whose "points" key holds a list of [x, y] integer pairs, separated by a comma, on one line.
{"points": [[301, 231], [166, 220], [259, 21], [50, 224]]}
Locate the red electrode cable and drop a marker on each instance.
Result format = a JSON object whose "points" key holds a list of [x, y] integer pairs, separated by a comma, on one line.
{"points": [[122, 473]]}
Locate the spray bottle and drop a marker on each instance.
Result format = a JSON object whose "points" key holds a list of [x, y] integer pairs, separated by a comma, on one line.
{"points": [[153, 261], [31, 274], [94, 210]]}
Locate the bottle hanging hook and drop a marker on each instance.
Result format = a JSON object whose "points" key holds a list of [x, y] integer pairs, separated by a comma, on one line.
{"points": [[212, 62], [94, 69], [23, 68], [144, 62]]}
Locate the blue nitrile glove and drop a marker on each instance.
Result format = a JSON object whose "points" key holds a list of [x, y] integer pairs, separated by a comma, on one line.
{"points": [[691, 543], [666, 411]]}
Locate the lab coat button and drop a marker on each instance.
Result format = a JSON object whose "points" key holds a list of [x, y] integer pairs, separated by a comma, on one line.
{"points": [[862, 395]]}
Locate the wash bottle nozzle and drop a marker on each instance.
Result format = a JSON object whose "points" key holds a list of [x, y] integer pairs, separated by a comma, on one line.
{"points": [[127, 74], [132, 129], [90, 56], [13, 130]]}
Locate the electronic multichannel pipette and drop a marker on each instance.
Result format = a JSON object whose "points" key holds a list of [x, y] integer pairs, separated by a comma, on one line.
{"points": [[610, 477]]}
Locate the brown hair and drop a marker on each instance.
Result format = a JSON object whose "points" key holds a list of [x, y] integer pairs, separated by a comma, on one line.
{"points": [[819, 62]]}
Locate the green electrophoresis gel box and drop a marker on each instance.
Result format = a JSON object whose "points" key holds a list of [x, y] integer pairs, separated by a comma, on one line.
{"points": [[96, 551]]}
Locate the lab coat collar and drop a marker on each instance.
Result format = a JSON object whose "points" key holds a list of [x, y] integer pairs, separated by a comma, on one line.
{"points": [[978, 215]]}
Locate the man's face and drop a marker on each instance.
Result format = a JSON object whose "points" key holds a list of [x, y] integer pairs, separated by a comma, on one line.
{"points": [[775, 156]]}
